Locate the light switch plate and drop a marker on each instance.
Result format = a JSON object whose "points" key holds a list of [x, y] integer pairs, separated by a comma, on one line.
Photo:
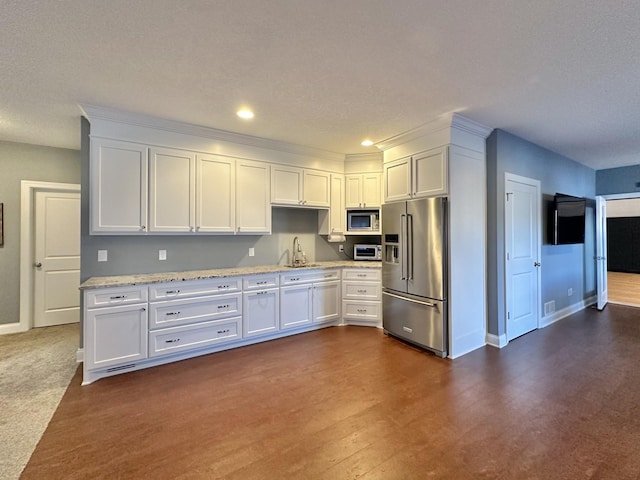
{"points": [[162, 254], [102, 255], [252, 252]]}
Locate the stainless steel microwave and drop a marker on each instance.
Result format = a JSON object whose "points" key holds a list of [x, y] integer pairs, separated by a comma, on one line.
{"points": [[363, 221], [367, 252]]}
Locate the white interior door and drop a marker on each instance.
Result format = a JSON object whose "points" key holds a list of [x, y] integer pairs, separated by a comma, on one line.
{"points": [[601, 251], [57, 258], [522, 251]]}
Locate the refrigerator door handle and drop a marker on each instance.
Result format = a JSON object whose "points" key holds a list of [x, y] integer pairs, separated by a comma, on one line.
{"points": [[426, 304], [410, 246], [403, 247]]}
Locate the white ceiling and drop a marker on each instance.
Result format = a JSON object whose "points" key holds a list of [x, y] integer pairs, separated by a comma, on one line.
{"points": [[329, 73]]}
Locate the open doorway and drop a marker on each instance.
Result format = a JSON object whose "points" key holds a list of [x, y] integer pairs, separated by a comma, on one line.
{"points": [[623, 251]]}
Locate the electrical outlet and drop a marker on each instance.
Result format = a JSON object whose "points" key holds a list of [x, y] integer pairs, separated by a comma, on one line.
{"points": [[341, 248], [102, 255], [569, 292], [252, 252], [162, 254]]}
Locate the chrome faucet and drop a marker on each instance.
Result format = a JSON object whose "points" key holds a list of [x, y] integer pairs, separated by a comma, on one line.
{"points": [[297, 257]]}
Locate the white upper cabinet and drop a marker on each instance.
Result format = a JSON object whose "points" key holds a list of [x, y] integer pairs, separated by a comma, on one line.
{"points": [[363, 190], [171, 190], [301, 187], [253, 207], [118, 172], [215, 194], [334, 219], [421, 175]]}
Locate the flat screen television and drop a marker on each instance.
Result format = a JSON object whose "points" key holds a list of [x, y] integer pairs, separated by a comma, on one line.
{"points": [[568, 219]]}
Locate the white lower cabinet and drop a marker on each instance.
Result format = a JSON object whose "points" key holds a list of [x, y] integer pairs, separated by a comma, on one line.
{"points": [[261, 306], [362, 297], [308, 297], [115, 336], [194, 315], [132, 327]]}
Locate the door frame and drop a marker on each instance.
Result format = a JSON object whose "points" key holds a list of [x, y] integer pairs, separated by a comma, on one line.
{"points": [[612, 196], [28, 191], [536, 184]]}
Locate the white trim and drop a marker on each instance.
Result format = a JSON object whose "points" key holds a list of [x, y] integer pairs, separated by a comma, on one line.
{"points": [[497, 341], [565, 312], [80, 355], [94, 112], [533, 183], [27, 227], [9, 328]]}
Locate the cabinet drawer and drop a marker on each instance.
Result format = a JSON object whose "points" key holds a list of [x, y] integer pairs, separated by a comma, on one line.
{"points": [[308, 276], [108, 297], [257, 282], [362, 274], [361, 291], [362, 310], [178, 339], [172, 313], [194, 288]]}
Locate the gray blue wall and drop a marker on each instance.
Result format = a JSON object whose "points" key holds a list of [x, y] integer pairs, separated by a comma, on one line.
{"points": [[139, 254], [618, 180], [563, 266], [19, 161]]}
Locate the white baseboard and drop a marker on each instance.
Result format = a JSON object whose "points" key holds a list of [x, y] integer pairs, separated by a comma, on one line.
{"points": [[9, 328], [565, 312], [496, 341], [80, 355]]}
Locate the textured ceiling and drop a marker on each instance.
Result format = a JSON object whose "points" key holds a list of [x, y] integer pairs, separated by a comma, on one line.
{"points": [[329, 73]]}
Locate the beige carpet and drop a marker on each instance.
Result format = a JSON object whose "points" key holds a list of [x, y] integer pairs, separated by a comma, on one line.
{"points": [[35, 370]]}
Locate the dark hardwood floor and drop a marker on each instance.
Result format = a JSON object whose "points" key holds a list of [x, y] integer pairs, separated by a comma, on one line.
{"points": [[348, 402]]}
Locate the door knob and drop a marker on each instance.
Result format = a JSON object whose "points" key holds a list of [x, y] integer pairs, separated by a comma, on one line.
{"points": [[37, 265]]}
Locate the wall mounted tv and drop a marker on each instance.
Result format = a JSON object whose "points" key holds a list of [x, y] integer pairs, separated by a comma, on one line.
{"points": [[568, 219]]}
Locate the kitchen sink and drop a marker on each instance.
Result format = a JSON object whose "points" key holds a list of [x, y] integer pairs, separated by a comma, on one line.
{"points": [[305, 265]]}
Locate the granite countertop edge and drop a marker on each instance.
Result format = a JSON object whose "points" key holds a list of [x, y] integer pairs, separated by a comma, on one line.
{"points": [[165, 277]]}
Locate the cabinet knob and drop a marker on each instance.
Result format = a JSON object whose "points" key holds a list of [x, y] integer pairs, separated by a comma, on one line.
{"points": [[143, 227], [37, 265]]}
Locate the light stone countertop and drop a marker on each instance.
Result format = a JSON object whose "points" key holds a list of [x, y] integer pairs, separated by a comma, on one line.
{"points": [[149, 278]]}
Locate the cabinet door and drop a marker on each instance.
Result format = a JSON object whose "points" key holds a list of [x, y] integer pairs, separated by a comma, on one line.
{"points": [[286, 185], [326, 301], [296, 306], [115, 335], [316, 189], [253, 207], [334, 219], [397, 180], [353, 191], [261, 312], [430, 173], [171, 190], [371, 190], [215, 194], [118, 173]]}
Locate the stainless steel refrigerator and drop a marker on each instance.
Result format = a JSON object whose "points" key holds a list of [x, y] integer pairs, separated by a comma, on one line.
{"points": [[414, 272]]}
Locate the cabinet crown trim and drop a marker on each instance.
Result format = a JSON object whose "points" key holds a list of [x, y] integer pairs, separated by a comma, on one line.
{"points": [[94, 112]]}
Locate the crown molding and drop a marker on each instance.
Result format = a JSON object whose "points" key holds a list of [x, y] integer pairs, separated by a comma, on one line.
{"points": [[445, 121], [94, 112], [361, 157]]}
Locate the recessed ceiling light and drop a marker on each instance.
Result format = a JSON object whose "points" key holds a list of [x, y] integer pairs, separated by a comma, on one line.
{"points": [[366, 143], [244, 113]]}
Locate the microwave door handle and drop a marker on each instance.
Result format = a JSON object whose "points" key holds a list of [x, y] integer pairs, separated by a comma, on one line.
{"points": [[410, 246], [403, 249]]}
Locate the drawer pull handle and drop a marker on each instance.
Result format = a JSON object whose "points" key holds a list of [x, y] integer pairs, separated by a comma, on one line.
{"points": [[223, 286], [169, 292], [264, 282], [362, 275], [362, 291], [223, 331], [118, 297], [328, 275], [173, 340], [223, 306], [362, 310], [169, 314]]}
